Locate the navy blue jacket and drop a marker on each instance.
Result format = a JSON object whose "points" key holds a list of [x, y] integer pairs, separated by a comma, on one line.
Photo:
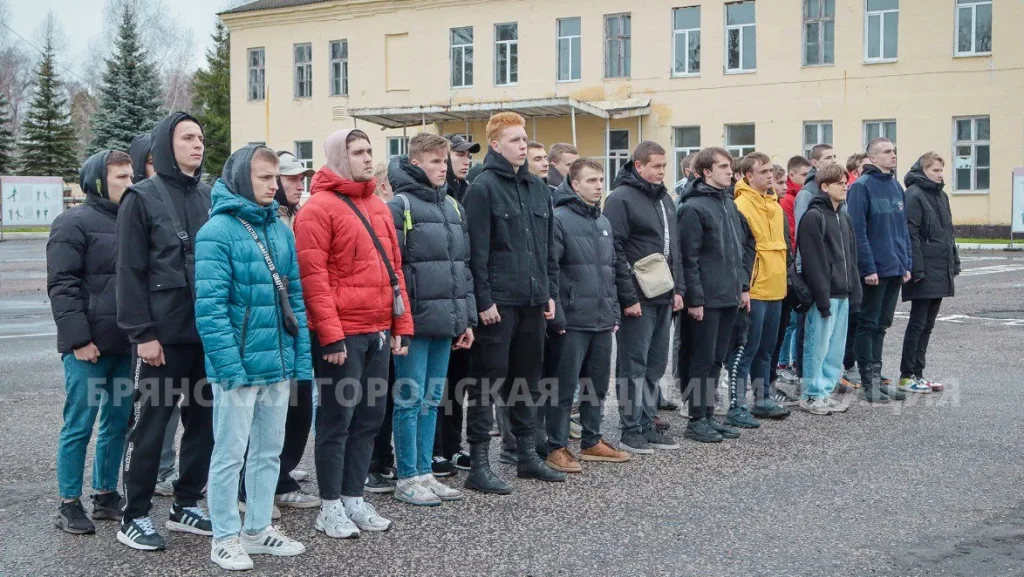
{"points": [[876, 205]]}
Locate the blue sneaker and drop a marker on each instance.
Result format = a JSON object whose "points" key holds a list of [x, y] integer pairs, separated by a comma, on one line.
{"points": [[740, 417]]}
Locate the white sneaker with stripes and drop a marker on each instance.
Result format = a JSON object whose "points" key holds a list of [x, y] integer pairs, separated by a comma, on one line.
{"points": [[230, 555], [271, 541]]}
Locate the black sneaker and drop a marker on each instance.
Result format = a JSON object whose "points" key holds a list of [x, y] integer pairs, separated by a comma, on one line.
{"points": [[140, 534], [106, 506], [702, 432], [388, 473], [726, 431], [667, 405], [770, 410], [71, 518], [189, 520], [634, 442], [462, 461], [657, 439], [442, 467], [376, 483], [892, 392]]}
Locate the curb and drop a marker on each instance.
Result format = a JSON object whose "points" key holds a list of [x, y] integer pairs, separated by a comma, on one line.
{"points": [[10, 235], [980, 246]]}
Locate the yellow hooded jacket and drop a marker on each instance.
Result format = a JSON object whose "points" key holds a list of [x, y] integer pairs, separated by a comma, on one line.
{"points": [[766, 220]]}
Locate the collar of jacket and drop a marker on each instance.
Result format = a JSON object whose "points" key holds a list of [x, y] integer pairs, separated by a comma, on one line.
{"points": [[455, 184], [824, 202], [407, 178], [916, 177], [500, 165], [225, 201], [555, 178], [744, 189], [792, 188], [875, 172], [700, 188], [564, 195], [326, 181], [102, 204], [628, 176]]}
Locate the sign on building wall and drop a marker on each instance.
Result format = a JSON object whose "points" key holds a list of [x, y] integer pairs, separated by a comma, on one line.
{"points": [[1017, 218], [30, 200]]}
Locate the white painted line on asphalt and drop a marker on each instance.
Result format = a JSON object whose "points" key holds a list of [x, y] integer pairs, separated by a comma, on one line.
{"points": [[31, 336], [994, 269], [960, 319]]}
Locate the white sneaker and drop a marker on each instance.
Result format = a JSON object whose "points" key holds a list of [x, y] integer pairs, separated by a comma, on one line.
{"points": [[443, 492], [815, 406], [837, 405], [275, 513], [271, 541], [230, 555], [299, 476], [165, 486], [335, 523], [413, 492], [296, 500], [365, 516]]}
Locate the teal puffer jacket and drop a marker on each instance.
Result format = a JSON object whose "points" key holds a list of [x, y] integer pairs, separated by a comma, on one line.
{"points": [[237, 310]]}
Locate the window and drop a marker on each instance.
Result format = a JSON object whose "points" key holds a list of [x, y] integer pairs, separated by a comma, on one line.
{"points": [[741, 37], [397, 146], [971, 162], [739, 139], [881, 30], [339, 68], [304, 154], [816, 133], [303, 70], [506, 54], [973, 27], [462, 57], [879, 129], [257, 74], [616, 46], [819, 32], [618, 151], [569, 51], [686, 41], [686, 141]]}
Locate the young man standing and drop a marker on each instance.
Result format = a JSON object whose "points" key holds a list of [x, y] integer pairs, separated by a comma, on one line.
{"points": [[560, 159], [251, 317], [830, 270], [851, 379], [81, 256], [357, 307], [797, 171], [716, 287], [537, 158], [639, 210], [516, 281], [822, 155], [855, 166], [763, 230], [586, 317], [686, 173], [786, 356], [158, 220], [876, 205]]}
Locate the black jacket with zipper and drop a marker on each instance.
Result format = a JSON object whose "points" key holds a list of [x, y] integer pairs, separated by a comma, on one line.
{"points": [[936, 262], [710, 242], [510, 230], [154, 295], [829, 252]]}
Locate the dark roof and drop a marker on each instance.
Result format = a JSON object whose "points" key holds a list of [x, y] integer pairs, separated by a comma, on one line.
{"points": [[269, 4]]}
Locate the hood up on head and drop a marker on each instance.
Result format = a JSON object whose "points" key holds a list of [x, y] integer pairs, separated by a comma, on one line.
{"points": [[336, 152], [162, 150], [93, 175], [139, 150], [916, 176], [233, 192]]}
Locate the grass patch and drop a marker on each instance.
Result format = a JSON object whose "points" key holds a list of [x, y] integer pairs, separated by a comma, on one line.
{"points": [[26, 229], [987, 241]]}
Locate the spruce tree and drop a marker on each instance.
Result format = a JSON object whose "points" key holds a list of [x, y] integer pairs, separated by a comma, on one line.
{"points": [[130, 92], [48, 138], [212, 100], [6, 137]]}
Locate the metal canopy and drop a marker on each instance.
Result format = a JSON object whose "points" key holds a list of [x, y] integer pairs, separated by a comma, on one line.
{"points": [[400, 117]]}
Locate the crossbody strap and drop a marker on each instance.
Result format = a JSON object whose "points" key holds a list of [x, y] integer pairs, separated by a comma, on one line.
{"points": [[373, 236], [183, 236], [266, 255], [664, 222]]}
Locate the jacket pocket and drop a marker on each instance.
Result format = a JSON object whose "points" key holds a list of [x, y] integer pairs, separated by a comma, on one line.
{"points": [[245, 331], [506, 222], [167, 298]]}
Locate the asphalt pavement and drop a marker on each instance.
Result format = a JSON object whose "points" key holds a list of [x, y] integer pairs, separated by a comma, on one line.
{"points": [[931, 486]]}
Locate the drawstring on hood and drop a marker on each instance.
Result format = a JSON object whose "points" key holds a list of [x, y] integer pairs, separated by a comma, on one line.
{"points": [[139, 150]]}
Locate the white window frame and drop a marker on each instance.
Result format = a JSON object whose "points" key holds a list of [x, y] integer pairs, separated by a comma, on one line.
{"points": [[973, 6], [822, 19], [257, 77], [819, 126], [403, 145], [510, 46], [883, 131], [616, 158], [686, 36], [625, 40], [680, 152], [338, 77], [305, 161], [740, 150], [464, 49], [880, 14], [973, 143], [740, 29], [573, 54], [306, 67]]}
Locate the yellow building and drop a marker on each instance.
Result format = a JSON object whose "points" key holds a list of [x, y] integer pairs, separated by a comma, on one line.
{"points": [[775, 75]]}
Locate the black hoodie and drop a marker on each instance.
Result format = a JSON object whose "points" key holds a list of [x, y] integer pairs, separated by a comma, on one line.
{"points": [[139, 150], [555, 178], [457, 187], [155, 298], [81, 259], [829, 252], [711, 246], [639, 225], [935, 259]]}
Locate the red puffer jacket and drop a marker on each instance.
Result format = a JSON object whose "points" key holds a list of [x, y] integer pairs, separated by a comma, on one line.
{"points": [[344, 282]]}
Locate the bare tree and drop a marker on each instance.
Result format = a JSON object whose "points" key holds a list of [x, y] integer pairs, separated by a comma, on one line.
{"points": [[16, 71]]}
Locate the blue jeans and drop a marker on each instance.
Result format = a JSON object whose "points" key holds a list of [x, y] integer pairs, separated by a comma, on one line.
{"points": [[752, 361], [642, 359], [419, 384], [788, 353], [100, 388], [244, 417], [824, 346]]}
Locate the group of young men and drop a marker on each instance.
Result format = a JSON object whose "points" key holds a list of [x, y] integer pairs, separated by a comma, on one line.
{"points": [[505, 295]]}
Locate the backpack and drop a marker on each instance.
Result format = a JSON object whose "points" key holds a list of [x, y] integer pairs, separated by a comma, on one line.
{"points": [[407, 214]]}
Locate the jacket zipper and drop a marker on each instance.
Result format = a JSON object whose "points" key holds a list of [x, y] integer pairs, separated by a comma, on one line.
{"points": [[277, 312], [245, 328]]}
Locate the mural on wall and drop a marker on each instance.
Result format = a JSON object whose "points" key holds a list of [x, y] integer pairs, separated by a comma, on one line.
{"points": [[30, 200]]}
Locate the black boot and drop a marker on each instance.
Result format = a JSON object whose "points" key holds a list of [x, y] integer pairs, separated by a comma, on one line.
{"points": [[530, 466], [870, 388], [481, 478], [891, 391]]}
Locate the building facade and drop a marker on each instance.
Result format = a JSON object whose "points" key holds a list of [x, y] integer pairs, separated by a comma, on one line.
{"points": [[774, 75]]}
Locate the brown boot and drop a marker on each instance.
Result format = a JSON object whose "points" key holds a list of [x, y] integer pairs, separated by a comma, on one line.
{"points": [[604, 452], [562, 460]]}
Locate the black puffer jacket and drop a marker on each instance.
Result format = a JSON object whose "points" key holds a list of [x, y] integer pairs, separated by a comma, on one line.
{"points": [[435, 252], [81, 259], [585, 250], [510, 229], [154, 294], [829, 251], [639, 225], [936, 261], [139, 150], [711, 247]]}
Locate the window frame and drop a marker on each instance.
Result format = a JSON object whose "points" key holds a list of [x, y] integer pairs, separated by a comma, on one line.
{"points": [[742, 148], [819, 131], [343, 68], [973, 52], [687, 33], [307, 66], [618, 156], [403, 146], [509, 46], [261, 72], [680, 152], [572, 53], [868, 14], [464, 48], [821, 19], [739, 28], [973, 143], [625, 40], [882, 132], [306, 162]]}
